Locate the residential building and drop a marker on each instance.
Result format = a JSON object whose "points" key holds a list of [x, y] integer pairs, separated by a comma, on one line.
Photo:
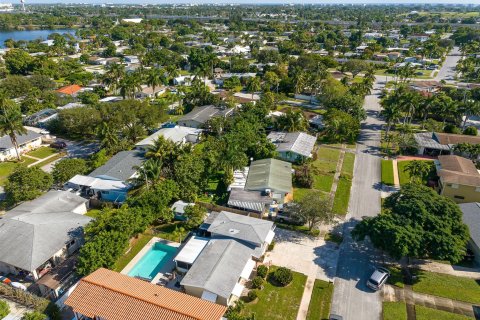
{"points": [[293, 146], [199, 116], [110, 295], [26, 142], [131, 59], [435, 143], [177, 134], [471, 217], [459, 178], [121, 166], [264, 185], [235, 243], [71, 90], [149, 93], [40, 234], [178, 209], [104, 189], [41, 118]]}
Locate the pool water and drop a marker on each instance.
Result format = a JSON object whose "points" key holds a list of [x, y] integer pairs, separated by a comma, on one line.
{"points": [[153, 261]]}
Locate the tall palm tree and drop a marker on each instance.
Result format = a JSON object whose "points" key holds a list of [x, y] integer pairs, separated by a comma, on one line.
{"points": [[108, 137], [11, 121], [254, 85], [155, 77], [469, 108], [131, 83], [148, 173], [115, 72]]}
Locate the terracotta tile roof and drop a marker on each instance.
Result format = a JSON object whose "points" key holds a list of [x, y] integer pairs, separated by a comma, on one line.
{"points": [[70, 90], [458, 170], [450, 138], [115, 296]]}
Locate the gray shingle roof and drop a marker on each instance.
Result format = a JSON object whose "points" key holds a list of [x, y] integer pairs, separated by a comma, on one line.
{"points": [[219, 266], [34, 231], [240, 227], [6, 143], [205, 113], [471, 217], [297, 142], [427, 140], [270, 174], [120, 166]]}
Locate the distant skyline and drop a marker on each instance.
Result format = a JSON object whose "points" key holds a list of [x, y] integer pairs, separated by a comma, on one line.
{"points": [[197, 2]]}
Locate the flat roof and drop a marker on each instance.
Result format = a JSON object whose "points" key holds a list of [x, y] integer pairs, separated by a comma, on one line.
{"points": [[191, 250]]}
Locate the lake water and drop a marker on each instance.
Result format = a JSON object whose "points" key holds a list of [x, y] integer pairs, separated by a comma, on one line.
{"points": [[29, 35]]}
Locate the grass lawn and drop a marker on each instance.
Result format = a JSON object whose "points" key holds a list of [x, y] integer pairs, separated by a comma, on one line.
{"points": [[342, 195], [348, 162], [443, 285], [299, 193], [280, 303], [424, 313], [396, 277], [404, 177], [166, 231], [395, 311], [319, 307], [137, 245], [7, 167], [324, 168], [42, 152], [387, 172], [323, 181], [50, 160]]}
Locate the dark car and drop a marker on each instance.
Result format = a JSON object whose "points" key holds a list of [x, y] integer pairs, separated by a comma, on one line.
{"points": [[58, 145]]}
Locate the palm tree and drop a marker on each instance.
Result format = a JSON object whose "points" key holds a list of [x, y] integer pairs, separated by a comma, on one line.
{"points": [[130, 84], [253, 85], [469, 108], [172, 71], [115, 72], [108, 137], [418, 170], [11, 121], [292, 121], [155, 77], [148, 173]]}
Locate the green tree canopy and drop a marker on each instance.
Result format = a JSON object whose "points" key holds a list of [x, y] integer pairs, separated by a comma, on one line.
{"points": [[27, 184], [417, 222], [66, 169]]}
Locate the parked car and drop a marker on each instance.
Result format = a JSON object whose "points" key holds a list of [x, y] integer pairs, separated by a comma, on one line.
{"points": [[58, 145], [286, 216], [335, 317], [378, 278]]}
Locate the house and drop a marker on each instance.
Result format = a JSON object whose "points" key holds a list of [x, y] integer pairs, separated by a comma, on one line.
{"points": [[236, 242], [178, 209], [104, 189], [110, 295], [26, 142], [459, 178], [426, 86], [435, 143], [177, 134], [199, 116], [471, 217], [293, 146], [41, 118], [150, 93], [182, 80], [71, 90], [40, 234], [120, 167], [131, 59], [261, 186]]}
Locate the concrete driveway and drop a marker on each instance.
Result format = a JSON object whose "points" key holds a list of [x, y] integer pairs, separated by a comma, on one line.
{"points": [[304, 254]]}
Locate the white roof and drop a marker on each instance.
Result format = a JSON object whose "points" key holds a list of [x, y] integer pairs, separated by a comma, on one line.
{"points": [[239, 179], [270, 236], [191, 250], [209, 296], [247, 271], [98, 183], [176, 134], [237, 290], [179, 206]]}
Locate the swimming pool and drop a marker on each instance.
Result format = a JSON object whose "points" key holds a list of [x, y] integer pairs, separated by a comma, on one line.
{"points": [[153, 261]]}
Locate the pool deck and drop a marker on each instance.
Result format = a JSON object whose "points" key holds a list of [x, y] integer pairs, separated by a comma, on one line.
{"points": [[167, 267]]}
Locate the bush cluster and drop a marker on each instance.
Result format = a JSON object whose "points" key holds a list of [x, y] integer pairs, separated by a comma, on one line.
{"points": [[252, 295], [257, 282], [262, 271], [283, 276]]}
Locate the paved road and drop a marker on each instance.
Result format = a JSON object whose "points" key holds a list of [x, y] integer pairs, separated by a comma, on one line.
{"points": [[352, 299]]}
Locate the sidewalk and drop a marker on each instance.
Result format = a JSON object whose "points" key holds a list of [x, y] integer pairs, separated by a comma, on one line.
{"points": [[458, 271], [394, 294]]}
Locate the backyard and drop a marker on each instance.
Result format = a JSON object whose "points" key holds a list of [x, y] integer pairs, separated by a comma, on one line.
{"points": [[284, 300]]}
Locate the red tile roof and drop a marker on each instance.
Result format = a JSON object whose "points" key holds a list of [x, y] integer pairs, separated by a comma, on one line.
{"points": [[70, 90], [115, 296]]}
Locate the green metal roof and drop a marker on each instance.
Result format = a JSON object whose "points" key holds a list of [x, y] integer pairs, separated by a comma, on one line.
{"points": [[270, 174]]}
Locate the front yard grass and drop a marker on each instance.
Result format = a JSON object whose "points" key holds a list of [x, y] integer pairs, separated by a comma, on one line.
{"points": [[274, 302], [396, 277], [348, 163], [319, 307], [325, 166], [447, 286], [395, 311], [424, 313], [42, 152], [342, 195], [403, 175], [51, 159], [387, 172]]}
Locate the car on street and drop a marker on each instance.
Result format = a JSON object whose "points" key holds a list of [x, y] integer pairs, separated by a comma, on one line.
{"points": [[335, 317], [58, 145], [378, 278]]}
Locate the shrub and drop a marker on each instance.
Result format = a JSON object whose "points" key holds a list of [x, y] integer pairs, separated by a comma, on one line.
{"points": [[470, 131], [262, 271], [450, 128], [34, 316], [283, 276], [257, 282], [252, 295], [271, 245], [4, 309]]}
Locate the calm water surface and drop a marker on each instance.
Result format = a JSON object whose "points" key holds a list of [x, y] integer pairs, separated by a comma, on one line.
{"points": [[29, 35]]}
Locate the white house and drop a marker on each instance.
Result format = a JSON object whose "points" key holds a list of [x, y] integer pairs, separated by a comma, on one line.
{"points": [[26, 142]]}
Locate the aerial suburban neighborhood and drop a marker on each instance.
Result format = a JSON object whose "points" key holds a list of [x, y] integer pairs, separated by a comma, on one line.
{"points": [[218, 161]]}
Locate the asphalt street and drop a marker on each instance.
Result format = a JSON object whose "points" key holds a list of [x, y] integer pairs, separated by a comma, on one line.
{"points": [[352, 299]]}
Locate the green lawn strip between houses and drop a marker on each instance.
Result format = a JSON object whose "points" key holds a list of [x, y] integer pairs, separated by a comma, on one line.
{"points": [[394, 311], [447, 286], [319, 307], [279, 303], [42, 152], [324, 168], [424, 313], [342, 196], [387, 172], [7, 167], [403, 175]]}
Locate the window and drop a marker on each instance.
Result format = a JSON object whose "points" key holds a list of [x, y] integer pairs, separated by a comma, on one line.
{"points": [[453, 185], [459, 197]]}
